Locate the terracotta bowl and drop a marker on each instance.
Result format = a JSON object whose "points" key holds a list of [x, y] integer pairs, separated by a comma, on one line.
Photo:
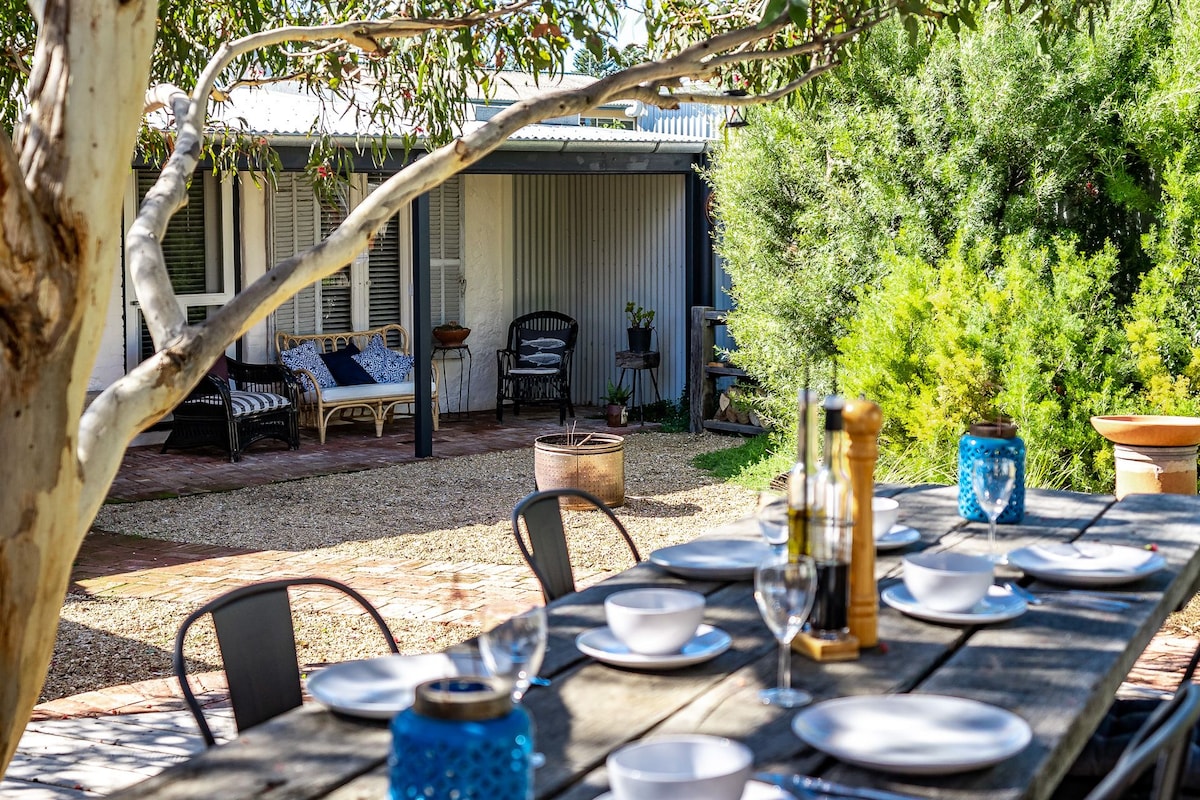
{"points": [[1149, 430], [451, 337]]}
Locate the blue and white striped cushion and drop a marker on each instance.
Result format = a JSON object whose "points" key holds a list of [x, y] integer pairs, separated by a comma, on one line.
{"points": [[249, 402]]}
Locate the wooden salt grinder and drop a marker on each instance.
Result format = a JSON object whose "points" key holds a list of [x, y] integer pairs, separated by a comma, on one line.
{"points": [[863, 419]]}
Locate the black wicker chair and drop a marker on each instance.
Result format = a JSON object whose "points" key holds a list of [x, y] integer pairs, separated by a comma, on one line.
{"points": [[258, 401], [535, 367]]}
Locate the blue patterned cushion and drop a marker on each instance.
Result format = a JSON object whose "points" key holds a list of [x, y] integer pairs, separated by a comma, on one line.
{"points": [[305, 356], [383, 364], [345, 370]]}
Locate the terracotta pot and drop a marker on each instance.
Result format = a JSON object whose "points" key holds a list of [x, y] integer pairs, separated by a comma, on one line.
{"points": [[617, 415]]}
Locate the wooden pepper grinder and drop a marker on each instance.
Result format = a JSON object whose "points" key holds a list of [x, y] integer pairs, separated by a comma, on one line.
{"points": [[863, 420]]}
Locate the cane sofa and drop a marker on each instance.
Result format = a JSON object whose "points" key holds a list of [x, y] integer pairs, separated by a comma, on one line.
{"points": [[377, 396]]}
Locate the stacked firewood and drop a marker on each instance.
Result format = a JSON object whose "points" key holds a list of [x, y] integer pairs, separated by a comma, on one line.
{"points": [[731, 407]]}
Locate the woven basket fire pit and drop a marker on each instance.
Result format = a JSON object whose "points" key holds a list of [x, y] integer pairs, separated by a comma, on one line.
{"points": [[594, 462]]}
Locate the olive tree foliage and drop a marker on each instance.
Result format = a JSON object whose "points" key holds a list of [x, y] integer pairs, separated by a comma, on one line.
{"points": [[77, 80]]}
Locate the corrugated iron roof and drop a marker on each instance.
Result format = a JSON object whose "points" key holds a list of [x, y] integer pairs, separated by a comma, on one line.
{"points": [[287, 110]]}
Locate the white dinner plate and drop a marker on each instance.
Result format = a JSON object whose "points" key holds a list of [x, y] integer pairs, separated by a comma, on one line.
{"points": [[1086, 563], [897, 536], [997, 605], [380, 688], [913, 734], [713, 557], [600, 644], [755, 790]]}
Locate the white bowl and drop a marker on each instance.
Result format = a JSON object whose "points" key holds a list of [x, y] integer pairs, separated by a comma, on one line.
{"points": [[884, 512], [654, 622], [947, 581], [674, 767]]}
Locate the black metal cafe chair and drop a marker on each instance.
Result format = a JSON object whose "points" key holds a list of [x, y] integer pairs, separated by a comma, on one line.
{"points": [[258, 647], [537, 524], [1163, 741]]}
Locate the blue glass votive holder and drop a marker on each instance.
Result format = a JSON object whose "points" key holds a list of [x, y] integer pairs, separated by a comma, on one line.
{"points": [[463, 739], [970, 449]]}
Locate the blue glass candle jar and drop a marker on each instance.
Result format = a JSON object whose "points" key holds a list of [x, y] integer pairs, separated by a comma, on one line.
{"points": [[990, 439], [462, 739]]}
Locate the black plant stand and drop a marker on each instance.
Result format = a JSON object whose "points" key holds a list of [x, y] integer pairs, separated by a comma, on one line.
{"points": [[639, 362]]}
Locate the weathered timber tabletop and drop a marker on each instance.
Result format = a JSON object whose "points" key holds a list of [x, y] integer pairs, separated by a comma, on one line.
{"points": [[1057, 666]]}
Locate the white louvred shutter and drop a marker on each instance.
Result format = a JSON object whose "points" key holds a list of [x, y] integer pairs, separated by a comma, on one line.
{"points": [[445, 251], [294, 215], [385, 297], [334, 291]]}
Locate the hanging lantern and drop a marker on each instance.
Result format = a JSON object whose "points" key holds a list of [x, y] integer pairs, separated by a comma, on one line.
{"points": [[734, 118]]}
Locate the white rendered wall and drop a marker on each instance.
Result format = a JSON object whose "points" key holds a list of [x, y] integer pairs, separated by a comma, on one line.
{"points": [[110, 359], [488, 266], [256, 344]]}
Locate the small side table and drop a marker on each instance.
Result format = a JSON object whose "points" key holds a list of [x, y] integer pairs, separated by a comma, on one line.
{"points": [[639, 362], [462, 354]]}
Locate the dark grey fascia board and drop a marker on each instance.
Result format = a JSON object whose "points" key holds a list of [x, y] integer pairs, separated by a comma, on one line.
{"points": [[530, 162], [549, 158]]}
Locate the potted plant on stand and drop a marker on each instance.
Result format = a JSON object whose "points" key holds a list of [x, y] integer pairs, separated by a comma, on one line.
{"points": [[616, 412], [640, 327]]}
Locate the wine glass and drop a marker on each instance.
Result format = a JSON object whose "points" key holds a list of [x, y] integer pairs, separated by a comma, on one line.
{"points": [[512, 646], [771, 512], [784, 592], [993, 478]]}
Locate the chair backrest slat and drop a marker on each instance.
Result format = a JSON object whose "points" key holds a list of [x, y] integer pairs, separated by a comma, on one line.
{"points": [[548, 541], [258, 648]]}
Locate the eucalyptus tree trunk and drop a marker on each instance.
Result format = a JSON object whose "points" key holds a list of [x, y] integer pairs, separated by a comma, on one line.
{"points": [[61, 183]]}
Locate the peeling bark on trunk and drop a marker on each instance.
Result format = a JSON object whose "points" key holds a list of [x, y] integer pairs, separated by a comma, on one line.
{"points": [[39, 536], [60, 210]]}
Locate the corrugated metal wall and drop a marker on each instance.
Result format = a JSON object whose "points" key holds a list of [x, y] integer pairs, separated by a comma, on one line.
{"points": [[587, 244]]}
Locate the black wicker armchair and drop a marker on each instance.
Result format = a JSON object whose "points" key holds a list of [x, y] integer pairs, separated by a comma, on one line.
{"points": [[536, 365], [257, 401]]}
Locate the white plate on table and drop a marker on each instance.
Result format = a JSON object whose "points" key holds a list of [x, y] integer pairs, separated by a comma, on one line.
{"points": [[713, 557], [1086, 563], [997, 605], [378, 688], [602, 645], [913, 734], [755, 790], [897, 536]]}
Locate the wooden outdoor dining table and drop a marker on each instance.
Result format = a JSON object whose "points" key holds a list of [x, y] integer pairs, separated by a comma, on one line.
{"points": [[1057, 666]]}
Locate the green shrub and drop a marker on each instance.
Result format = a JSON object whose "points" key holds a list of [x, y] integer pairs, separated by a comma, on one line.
{"points": [[1037, 338], [974, 225]]}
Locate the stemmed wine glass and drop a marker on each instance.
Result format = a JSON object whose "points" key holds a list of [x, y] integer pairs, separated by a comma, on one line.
{"points": [[993, 478], [784, 592], [771, 512], [512, 647]]}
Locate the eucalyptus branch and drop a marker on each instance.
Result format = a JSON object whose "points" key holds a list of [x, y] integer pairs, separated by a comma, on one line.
{"points": [[221, 93], [147, 266]]}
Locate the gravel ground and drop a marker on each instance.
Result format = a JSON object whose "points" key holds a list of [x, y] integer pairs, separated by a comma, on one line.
{"points": [[443, 510]]}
